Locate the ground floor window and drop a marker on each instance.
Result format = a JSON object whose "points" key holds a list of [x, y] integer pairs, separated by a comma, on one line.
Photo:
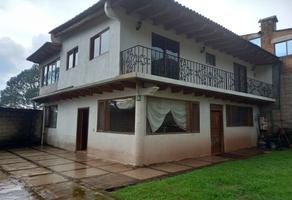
{"points": [[172, 116], [239, 116], [51, 114], [117, 115]]}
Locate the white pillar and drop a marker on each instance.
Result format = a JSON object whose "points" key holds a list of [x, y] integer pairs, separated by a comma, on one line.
{"points": [[140, 130]]}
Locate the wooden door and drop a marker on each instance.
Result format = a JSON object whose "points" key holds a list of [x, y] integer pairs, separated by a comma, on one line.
{"points": [[82, 129], [217, 136]]}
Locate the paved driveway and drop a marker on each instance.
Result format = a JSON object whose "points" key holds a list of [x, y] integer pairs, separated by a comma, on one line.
{"points": [[52, 173]]}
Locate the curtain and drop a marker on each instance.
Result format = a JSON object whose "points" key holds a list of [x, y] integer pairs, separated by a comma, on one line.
{"points": [[124, 104], [157, 109]]}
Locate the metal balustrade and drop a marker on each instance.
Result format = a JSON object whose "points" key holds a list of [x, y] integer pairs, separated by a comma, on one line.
{"points": [[151, 61]]}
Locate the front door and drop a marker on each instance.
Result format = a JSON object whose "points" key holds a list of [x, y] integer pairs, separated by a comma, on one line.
{"points": [[217, 137], [82, 129]]}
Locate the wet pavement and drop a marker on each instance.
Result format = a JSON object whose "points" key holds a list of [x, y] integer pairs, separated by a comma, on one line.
{"points": [[52, 173]]}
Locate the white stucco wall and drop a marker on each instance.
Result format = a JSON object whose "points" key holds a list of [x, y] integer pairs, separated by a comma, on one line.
{"points": [[123, 35], [152, 148], [189, 49]]}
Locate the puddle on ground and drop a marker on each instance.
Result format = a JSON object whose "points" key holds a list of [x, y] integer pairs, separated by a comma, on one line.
{"points": [[11, 189]]}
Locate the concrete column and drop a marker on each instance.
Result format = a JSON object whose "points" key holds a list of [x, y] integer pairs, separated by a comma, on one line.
{"points": [[140, 129]]}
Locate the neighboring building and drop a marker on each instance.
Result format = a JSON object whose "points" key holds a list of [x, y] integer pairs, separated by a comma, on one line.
{"points": [[135, 83], [278, 42]]}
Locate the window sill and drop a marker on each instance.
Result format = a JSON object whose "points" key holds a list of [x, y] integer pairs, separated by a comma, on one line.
{"points": [[174, 133], [118, 133]]}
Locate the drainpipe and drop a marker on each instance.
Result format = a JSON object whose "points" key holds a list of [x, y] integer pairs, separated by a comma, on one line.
{"points": [[108, 9], [43, 126]]}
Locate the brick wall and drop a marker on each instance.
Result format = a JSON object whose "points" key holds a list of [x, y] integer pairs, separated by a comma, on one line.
{"points": [[19, 127]]}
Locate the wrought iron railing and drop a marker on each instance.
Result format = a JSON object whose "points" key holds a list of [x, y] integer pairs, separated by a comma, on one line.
{"points": [[151, 61]]}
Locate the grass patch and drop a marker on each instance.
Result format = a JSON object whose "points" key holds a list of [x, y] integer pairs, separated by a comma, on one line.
{"points": [[267, 176]]}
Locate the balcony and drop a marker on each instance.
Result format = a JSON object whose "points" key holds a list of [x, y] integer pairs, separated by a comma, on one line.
{"points": [[150, 61]]}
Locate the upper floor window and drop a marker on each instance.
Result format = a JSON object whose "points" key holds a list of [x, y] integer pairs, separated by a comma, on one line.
{"points": [[210, 59], [50, 73], [99, 44], [256, 41], [283, 48], [72, 58]]}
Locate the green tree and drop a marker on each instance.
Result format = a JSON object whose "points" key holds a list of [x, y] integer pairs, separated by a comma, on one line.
{"points": [[21, 89]]}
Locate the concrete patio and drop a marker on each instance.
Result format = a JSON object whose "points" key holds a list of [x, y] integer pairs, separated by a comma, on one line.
{"points": [[52, 173]]}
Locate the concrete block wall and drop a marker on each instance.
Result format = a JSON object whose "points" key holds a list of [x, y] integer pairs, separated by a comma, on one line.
{"points": [[19, 127]]}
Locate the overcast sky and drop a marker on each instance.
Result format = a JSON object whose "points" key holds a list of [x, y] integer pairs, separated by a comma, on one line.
{"points": [[24, 24]]}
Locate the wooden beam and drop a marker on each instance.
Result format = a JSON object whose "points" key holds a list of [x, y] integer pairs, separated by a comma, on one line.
{"points": [[210, 36], [176, 89], [156, 14], [179, 22], [168, 18], [140, 7], [191, 29], [129, 84], [117, 86], [198, 32]]}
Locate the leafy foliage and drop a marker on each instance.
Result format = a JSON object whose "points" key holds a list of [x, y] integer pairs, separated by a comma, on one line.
{"points": [[21, 89]]}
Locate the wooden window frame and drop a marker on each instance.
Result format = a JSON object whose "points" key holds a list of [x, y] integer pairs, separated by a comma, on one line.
{"points": [[106, 115], [190, 105], [240, 123], [92, 44], [73, 52], [191, 125]]}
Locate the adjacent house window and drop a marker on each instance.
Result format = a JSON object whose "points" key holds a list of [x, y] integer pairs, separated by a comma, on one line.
{"points": [[172, 116], [239, 116], [99, 44], [51, 113], [210, 59], [116, 115], [256, 41], [283, 48], [72, 58], [50, 73]]}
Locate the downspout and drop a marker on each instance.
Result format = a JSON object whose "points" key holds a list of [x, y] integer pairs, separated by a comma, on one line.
{"points": [[108, 9], [43, 126]]}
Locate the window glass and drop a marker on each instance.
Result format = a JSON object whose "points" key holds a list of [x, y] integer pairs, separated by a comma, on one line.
{"points": [[51, 73], [256, 41], [280, 49], [289, 47], [45, 75], [70, 61], [96, 47], [239, 116], [117, 115], [104, 42], [210, 59], [76, 56], [51, 113]]}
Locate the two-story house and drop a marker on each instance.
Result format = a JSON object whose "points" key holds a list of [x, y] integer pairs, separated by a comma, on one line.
{"points": [[143, 82], [278, 42]]}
